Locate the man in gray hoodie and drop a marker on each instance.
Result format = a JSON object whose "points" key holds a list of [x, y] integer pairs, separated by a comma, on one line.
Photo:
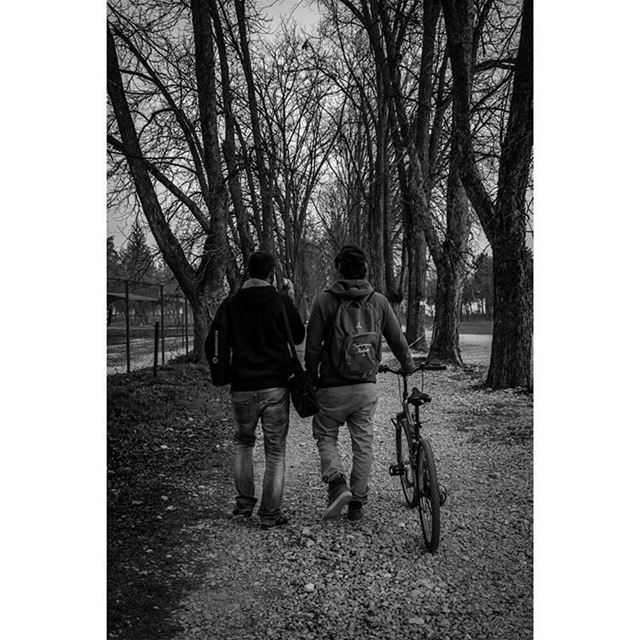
{"points": [[343, 349]]}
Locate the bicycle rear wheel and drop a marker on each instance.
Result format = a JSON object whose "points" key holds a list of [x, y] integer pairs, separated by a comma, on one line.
{"points": [[428, 497], [403, 452]]}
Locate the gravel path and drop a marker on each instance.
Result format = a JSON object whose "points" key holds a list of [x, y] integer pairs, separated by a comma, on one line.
{"points": [[373, 579]]}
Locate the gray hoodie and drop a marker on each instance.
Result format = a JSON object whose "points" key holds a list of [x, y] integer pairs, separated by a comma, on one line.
{"points": [[323, 311]]}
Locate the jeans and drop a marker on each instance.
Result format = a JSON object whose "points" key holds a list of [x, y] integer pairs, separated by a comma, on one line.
{"points": [[356, 405], [271, 406]]}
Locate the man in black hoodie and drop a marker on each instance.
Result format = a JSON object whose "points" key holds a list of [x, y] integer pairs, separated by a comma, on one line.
{"points": [[260, 366], [342, 353]]}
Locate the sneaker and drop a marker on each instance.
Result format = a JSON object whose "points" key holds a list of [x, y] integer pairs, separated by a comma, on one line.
{"points": [[355, 510], [280, 521], [339, 496], [242, 511]]}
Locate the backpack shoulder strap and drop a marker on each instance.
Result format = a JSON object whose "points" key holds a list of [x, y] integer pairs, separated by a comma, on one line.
{"points": [[330, 325]]}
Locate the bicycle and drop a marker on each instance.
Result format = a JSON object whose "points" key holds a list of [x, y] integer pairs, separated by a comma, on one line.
{"points": [[416, 463]]}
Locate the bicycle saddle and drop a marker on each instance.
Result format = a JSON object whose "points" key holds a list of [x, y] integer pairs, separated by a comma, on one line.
{"points": [[418, 398]]}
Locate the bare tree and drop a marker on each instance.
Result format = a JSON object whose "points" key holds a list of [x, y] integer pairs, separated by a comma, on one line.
{"points": [[297, 108], [230, 142], [362, 160], [233, 163], [503, 218], [188, 171], [413, 100], [264, 176]]}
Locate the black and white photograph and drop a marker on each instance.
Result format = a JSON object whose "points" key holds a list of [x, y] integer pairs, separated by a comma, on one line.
{"points": [[296, 401], [320, 319]]}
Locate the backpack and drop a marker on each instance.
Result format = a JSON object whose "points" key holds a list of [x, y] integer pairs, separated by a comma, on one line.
{"points": [[355, 344], [217, 347]]}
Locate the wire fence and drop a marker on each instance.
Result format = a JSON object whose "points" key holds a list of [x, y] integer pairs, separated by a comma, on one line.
{"points": [[146, 325]]}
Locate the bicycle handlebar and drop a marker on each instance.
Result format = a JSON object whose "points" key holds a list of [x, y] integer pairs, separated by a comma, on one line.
{"points": [[383, 368]]}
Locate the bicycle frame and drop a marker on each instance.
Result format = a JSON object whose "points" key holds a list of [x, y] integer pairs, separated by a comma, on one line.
{"points": [[413, 419], [416, 464]]}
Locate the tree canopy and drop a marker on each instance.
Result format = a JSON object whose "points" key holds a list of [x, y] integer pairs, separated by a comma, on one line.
{"points": [[396, 126]]}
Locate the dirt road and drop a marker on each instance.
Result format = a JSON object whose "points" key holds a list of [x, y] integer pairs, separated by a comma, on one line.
{"points": [[202, 575]]}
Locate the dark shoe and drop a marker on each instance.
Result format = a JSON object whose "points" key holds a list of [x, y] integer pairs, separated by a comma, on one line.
{"points": [[339, 496], [280, 521], [242, 511], [355, 510]]}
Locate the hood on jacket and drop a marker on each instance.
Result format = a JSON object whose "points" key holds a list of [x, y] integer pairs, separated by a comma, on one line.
{"points": [[351, 289], [256, 293]]}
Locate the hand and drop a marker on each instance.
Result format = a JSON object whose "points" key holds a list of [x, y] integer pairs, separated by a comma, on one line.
{"points": [[408, 370], [287, 287]]}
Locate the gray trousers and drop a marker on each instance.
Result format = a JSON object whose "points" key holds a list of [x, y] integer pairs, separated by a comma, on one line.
{"points": [[354, 404]]}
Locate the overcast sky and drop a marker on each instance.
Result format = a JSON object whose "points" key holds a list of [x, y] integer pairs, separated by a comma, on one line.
{"points": [[305, 12]]}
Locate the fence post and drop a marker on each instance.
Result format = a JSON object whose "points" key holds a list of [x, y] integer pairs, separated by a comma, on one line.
{"points": [[126, 323], [186, 326], [162, 319], [155, 349], [181, 328]]}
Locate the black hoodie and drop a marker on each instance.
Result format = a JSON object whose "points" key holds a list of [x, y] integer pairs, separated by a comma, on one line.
{"points": [[260, 357]]}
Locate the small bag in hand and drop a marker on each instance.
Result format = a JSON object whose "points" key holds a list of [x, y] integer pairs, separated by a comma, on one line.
{"points": [[303, 395]]}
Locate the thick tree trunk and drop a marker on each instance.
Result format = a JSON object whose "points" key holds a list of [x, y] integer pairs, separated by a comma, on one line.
{"points": [[203, 308], [445, 341], [451, 271], [511, 350], [215, 256], [450, 267]]}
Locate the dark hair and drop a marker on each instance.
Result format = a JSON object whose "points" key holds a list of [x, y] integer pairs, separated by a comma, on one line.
{"points": [[261, 265], [351, 262]]}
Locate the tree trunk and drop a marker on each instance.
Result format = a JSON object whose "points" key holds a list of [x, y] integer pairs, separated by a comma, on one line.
{"points": [[229, 144], [394, 290], [213, 264], [203, 308], [511, 363], [264, 177], [377, 263], [511, 352], [451, 271], [445, 341], [417, 269], [450, 267]]}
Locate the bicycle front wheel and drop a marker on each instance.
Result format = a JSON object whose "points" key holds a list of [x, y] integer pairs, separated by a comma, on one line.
{"points": [[405, 463], [428, 491]]}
